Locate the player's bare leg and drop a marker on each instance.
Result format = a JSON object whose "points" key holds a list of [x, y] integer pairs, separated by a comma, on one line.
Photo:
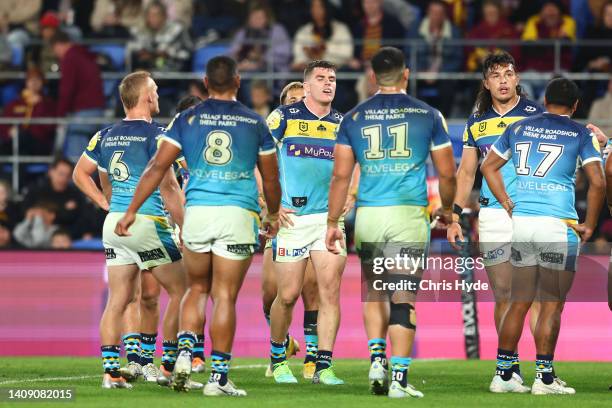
{"points": [[553, 287], [310, 298], [329, 268], [289, 280], [199, 275], [122, 290], [226, 283], [149, 318]]}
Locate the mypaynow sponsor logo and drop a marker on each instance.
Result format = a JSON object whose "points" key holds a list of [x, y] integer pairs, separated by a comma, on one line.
{"points": [[307, 150]]}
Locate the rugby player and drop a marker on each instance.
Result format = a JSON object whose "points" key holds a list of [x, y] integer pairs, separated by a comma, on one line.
{"points": [[500, 102], [120, 153], [391, 136], [304, 133], [292, 93], [222, 141], [543, 151]]}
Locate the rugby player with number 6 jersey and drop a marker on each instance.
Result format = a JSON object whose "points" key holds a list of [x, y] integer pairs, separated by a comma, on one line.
{"points": [[221, 141], [391, 136], [544, 150], [121, 153]]}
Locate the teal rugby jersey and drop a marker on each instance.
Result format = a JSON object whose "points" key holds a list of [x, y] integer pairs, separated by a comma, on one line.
{"points": [[391, 136], [221, 141], [305, 148], [123, 151], [544, 150], [482, 131]]}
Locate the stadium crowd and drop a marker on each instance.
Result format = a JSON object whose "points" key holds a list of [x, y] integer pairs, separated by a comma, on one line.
{"points": [[41, 37]]}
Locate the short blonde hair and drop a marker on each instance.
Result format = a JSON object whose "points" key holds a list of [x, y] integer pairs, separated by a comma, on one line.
{"points": [[290, 87], [130, 87]]}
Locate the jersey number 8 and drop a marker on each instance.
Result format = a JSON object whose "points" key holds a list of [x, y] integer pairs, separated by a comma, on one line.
{"points": [[118, 169], [217, 151]]}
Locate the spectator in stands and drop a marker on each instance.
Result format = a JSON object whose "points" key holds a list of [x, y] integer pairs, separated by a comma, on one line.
{"points": [[56, 189], [260, 98], [9, 211], [373, 29], [213, 18], [113, 18], [601, 111], [435, 55], [290, 13], [80, 92], [46, 59], [61, 239], [22, 16], [251, 44], [160, 44], [36, 230], [6, 239], [6, 52], [492, 26], [322, 38], [31, 104], [549, 24]]}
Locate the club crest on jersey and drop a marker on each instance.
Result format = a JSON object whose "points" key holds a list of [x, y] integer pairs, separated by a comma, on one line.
{"points": [[530, 109], [303, 126], [501, 125], [482, 126]]}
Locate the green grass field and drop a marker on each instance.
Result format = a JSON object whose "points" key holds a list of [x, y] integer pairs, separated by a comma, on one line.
{"points": [[451, 383]]}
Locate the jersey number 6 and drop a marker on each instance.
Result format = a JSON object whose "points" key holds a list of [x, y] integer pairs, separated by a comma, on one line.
{"points": [[118, 169]]}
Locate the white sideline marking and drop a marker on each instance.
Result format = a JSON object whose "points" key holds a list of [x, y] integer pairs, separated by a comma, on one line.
{"points": [[86, 377]]}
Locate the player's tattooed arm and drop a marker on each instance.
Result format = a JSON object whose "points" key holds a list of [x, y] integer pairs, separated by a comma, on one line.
{"points": [[81, 176], [149, 181], [466, 174], [173, 197], [344, 163], [595, 197], [490, 169]]}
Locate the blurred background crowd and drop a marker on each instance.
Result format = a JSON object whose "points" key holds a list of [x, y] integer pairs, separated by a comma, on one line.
{"points": [[61, 62]]}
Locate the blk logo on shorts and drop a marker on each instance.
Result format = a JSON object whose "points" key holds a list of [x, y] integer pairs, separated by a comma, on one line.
{"points": [[110, 253], [516, 255], [552, 257], [151, 255], [241, 249]]}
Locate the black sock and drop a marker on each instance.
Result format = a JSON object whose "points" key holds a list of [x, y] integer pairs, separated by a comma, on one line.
{"points": [[147, 348], [220, 366], [544, 368], [324, 360], [310, 335], [110, 360], [516, 367], [198, 348], [504, 364]]}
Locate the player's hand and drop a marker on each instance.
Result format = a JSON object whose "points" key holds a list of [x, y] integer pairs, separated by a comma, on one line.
{"points": [[599, 134], [270, 225], [103, 204], [334, 235], [124, 224], [349, 204], [283, 217], [583, 230], [443, 218], [453, 233]]}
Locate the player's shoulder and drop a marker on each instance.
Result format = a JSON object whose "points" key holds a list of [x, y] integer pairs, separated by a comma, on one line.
{"points": [[528, 107], [282, 113], [335, 116]]}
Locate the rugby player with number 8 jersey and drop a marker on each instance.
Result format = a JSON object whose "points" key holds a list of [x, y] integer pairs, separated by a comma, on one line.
{"points": [[221, 141]]}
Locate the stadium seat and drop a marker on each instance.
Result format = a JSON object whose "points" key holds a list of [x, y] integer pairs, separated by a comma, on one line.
{"points": [[93, 244], [204, 54], [115, 52], [10, 92], [16, 56]]}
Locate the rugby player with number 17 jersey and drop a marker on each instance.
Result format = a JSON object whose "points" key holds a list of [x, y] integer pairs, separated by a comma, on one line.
{"points": [[543, 150]]}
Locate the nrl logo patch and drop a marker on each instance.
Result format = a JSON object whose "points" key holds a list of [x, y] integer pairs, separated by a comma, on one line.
{"points": [[482, 126], [303, 126]]}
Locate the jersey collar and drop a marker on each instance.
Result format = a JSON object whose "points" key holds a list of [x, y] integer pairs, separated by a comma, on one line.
{"points": [[509, 110], [313, 114]]}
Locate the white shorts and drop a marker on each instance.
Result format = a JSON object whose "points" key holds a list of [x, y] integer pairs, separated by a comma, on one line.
{"points": [[545, 241], [307, 234], [151, 244], [227, 231], [495, 235]]}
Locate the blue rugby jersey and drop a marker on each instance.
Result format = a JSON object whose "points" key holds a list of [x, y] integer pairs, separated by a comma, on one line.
{"points": [[391, 136]]}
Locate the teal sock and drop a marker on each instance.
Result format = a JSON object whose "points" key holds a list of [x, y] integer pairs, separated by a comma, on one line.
{"points": [[147, 352], [278, 352], [110, 360], [378, 351], [220, 366], [310, 335], [399, 367], [131, 344], [170, 352]]}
